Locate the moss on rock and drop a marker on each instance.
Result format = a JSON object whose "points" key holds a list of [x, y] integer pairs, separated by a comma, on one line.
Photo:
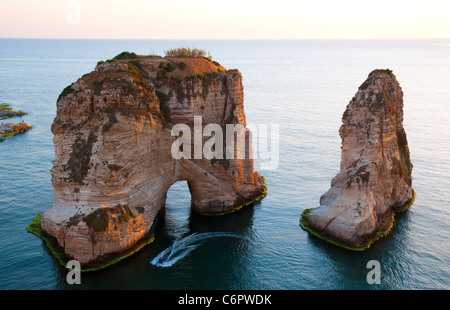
{"points": [[100, 219], [386, 225], [99, 264], [78, 164]]}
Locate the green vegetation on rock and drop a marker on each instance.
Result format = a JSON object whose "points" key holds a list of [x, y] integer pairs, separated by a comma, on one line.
{"points": [[382, 232], [100, 219], [35, 229], [101, 263], [164, 108], [186, 52], [240, 206], [78, 164], [66, 91], [7, 112], [126, 55], [170, 67], [181, 65]]}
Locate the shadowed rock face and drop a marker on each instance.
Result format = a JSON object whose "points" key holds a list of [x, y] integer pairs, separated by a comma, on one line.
{"points": [[375, 176], [113, 141]]}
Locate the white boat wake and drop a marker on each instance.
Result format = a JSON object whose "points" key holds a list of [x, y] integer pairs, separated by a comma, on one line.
{"points": [[182, 247]]}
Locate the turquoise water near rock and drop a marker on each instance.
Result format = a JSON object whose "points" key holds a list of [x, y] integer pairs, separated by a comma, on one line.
{"points": [[301, 86]]}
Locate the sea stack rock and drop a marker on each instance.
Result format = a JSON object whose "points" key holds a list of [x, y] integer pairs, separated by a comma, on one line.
{"points": [[374, 181], [114, 150]]}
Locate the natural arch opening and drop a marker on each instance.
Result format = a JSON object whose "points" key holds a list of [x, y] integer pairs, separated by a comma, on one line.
{"points": [[178, 209]]}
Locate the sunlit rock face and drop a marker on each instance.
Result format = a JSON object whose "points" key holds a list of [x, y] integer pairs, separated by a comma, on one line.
{"points": [[114, 145], [375, 174]]}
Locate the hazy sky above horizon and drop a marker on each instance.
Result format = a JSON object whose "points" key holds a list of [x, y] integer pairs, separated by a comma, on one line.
{"points": [[229, 19]]}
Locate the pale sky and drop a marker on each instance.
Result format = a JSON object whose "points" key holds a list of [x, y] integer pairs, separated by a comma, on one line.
{"points": [[225, 19]]}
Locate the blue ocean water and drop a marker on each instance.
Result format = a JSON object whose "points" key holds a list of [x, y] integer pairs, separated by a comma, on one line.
{"points": [[302, 86]]}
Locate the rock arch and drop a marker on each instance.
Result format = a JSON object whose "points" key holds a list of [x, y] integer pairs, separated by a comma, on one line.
{"points": [[113, 159]]}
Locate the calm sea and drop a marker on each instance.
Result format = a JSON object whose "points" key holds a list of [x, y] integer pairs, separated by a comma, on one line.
{"points": [[302, 86]]}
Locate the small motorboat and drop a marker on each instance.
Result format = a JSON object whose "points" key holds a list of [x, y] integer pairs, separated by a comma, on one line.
{"points": [[163, 259]]}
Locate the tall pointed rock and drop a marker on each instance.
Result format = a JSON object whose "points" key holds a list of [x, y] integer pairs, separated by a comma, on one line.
{"points": [[375, 179]]}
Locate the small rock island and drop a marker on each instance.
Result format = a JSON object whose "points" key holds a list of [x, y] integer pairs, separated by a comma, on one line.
{"points": [[113, 141], [8, 130], [375, 180]]}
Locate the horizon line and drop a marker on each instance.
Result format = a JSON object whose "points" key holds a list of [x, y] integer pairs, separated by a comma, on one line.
{"points": [[241, 39]]}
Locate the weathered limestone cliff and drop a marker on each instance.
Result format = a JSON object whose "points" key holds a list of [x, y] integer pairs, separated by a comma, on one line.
{"points": [[375, 177], [113, 141]]}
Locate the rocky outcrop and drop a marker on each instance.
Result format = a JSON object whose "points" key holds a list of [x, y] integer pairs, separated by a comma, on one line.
{"points": [[375, 175], [113, 150], [11, 129], [7, 112], [8, 130]]}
